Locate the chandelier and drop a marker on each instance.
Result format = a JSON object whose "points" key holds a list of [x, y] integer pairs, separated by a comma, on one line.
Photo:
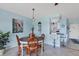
{"points": [[33, 18]]}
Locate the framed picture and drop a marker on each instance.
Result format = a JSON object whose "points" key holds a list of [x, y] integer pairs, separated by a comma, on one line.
{"points": [[53, 26], [17, 26]]}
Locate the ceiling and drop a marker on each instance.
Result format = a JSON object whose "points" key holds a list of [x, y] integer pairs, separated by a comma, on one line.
{"points": [[70, 10]]}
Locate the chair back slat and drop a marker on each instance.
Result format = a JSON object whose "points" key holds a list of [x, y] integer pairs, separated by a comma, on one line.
{"points": [[43, 36], [18, 41]]}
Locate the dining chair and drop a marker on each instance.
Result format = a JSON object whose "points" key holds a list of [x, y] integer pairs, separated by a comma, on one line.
{"points": [[19, 47], [43, 37], [32, 46]]}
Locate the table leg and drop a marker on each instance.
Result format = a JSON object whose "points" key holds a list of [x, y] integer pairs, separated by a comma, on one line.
{"points": [[41, 48], [37, 52], [22, 50], [43, 45]]}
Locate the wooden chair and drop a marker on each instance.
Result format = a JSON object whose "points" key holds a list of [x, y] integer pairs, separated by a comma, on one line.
{"points": [[19, 47], [32, 45], [43, 37]]}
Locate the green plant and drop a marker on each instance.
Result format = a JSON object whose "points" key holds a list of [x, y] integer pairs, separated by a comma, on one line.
{"points": [[4, 38]]}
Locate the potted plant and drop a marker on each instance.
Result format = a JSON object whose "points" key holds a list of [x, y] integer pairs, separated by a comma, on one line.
{"points": [[4, 38]]}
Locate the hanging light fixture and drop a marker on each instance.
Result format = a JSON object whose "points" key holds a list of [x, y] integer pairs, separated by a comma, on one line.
{"points": [[33, 18], [56, 4]]}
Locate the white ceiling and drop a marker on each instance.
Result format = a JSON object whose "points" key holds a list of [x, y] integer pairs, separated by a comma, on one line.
{"points": [[70, 10]]}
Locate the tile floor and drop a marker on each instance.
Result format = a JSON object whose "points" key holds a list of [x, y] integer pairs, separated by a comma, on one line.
{"points": [[49, 51]]}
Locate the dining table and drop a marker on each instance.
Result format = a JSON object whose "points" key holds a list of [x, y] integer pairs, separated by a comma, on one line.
{"points": [[24, 42]]}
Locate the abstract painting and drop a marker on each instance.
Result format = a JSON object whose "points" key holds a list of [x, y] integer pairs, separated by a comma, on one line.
{"points": [[17, 26], [53, 26]]}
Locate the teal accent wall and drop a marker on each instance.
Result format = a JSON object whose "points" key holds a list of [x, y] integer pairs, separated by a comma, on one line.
{"points": [[75, 21], [64, 29], [6, 25], [46, 29]]}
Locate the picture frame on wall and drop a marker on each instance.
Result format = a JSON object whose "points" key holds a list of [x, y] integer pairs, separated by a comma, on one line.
{"points": [[53, 25], [17, 26]]}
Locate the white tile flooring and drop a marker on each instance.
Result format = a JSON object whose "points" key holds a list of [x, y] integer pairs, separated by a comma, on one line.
{"points": [[49, 51]]}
